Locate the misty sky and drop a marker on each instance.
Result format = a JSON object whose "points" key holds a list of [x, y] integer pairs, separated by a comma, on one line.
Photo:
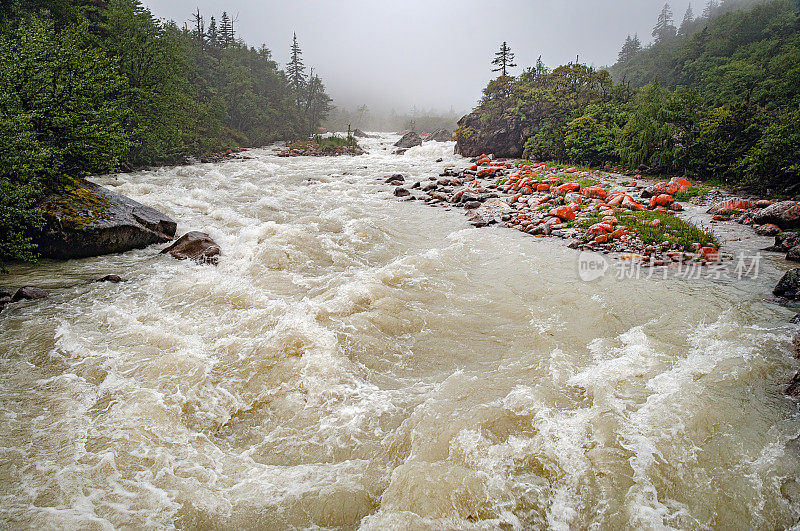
{"points": [[431, 53]]}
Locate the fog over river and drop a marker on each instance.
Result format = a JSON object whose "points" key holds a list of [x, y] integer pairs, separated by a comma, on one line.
{"points": [[360, 362]]}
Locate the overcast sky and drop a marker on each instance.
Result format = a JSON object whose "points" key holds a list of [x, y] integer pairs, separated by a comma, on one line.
{"points": [[428, 53]]}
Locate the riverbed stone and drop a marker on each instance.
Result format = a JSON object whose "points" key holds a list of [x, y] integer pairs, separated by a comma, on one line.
{"points": [[196, 246], [115, 279], [401, 192], [409, 140], [29, 293], [785, 214], [793, 389], [84, 219], [789, 285]]}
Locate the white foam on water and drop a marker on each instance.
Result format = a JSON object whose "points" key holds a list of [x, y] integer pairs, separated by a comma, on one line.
{"points": [[357, 361]]}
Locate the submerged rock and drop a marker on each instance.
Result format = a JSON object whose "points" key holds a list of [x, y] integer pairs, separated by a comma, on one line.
{"points": [[29, 293], [196, 246], [409, 140], [84, 219], [110, 278], [793, 389], [789, 285]]}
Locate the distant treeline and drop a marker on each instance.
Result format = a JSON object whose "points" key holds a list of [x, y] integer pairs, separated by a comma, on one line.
{"points": [[366, 120], [716, 97], [89, 86]]}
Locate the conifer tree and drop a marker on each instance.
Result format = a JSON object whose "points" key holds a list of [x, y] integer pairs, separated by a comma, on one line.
{"points": [[212, 34], [688, 18], [296, 71], [199, 30], [711, 9], [630, 48], [226, 34], [503, 59], [665, 27]]}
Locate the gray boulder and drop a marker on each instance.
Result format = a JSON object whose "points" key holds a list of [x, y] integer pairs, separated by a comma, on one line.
{"points": [[789, 285], [85, 219], [29, 293], [409, 140], [440, 135], [785, 214], [196, 246]]}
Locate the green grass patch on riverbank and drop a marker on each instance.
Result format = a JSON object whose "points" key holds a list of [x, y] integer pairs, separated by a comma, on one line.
{"points": [[670, 228], [696, 190]]}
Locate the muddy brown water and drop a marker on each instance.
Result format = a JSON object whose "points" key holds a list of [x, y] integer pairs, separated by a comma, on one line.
{"points": [[359, 362]]}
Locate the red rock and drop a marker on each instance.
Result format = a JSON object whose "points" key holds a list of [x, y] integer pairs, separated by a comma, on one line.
{"points": [[676, 207], [709, 253], [763, 203], [629, 203], [601, 239], [683, 183], [594, 192], [565, 213], [768, 229], [731, 204], [663, 200], [568, 187]]}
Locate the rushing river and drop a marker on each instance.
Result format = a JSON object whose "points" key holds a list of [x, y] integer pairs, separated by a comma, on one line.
{"points": [[360, 362]]}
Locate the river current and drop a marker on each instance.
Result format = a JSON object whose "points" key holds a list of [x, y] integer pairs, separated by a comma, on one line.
{"points": [[359, 362]]}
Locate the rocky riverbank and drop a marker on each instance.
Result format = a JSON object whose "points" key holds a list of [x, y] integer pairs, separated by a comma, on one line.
{"points": [[628, 218], [597, 211]]}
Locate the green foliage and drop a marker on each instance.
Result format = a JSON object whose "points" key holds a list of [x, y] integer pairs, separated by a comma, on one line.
{"points": [[61, 116], [719, 100], [89, 85]]}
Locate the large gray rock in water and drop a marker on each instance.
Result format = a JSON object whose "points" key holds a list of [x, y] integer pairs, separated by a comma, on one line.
{"points": [[29, 293], [789, 285], [784, 242], [409, 140], [440, 135], [85, 219], [785, 214], [194, 245]]}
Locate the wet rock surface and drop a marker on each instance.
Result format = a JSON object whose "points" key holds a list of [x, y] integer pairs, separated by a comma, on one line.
{"points": [[196, 246], [86, 219]]}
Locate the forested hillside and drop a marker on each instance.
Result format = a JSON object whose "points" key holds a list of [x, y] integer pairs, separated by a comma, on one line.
{"points": [[714, 98], [89, 86]]}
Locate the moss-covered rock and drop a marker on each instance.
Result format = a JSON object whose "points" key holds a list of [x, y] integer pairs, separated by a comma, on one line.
{"points": [[479, 134], [84, 219]]}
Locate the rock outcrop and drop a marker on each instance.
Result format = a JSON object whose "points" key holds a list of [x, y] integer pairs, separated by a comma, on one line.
{"points": [[503, 137], [440, 135], [409, 140], [789, 285], [195, 245], [785, 214], [84, 219]]}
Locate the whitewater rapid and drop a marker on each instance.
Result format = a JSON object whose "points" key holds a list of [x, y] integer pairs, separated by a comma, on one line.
{"points": [[360, 362]]}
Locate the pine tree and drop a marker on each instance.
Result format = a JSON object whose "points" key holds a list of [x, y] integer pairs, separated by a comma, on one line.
{"points": [[212, 35], [226, 34], [296, 71], [665, 27], [711, 9], [630, 48], [688, 18], [503, 59], [199, 30]]}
